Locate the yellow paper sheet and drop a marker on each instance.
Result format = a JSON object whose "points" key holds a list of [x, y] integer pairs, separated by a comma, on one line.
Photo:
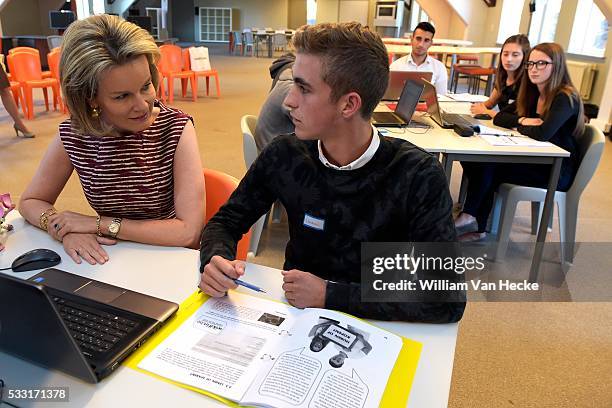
{"points": [[396, 394]]}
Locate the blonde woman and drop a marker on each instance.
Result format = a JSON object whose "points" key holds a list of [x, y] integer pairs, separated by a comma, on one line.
{"points": [[137, 159]]}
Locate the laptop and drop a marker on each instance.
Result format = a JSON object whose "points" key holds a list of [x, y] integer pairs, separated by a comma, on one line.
{"points": [[76, 325], [443, 119], [397, 79], [403, 110]]}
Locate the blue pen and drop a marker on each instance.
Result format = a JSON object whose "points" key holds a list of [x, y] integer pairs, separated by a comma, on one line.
{"points": [[249, 286]]}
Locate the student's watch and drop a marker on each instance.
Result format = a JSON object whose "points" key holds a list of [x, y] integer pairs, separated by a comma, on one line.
{"points": [[114, 227]]}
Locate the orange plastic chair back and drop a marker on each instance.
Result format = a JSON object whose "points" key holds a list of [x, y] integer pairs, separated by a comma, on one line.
{"points": [[186, 59], [219, 187], [171, 58], [24, 66], [24, 49], [53, 58]]}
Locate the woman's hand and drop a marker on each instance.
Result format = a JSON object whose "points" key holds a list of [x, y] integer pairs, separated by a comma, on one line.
{"points": [[66, 222], [478, 109], [531, 122], [87, 247]]}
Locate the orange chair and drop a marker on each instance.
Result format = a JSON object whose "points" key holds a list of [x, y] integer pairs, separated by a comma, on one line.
{"points": [[26, 70], [45, 74], [219, 187], [53, 58], [207, 74], [17, 90], [171, 67]]}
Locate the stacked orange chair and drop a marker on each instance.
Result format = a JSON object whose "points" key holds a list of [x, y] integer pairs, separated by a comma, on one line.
{"points": [[206, 74], [27, 71], [53, 58], [170, 67], [45, 74], [219, 187]]}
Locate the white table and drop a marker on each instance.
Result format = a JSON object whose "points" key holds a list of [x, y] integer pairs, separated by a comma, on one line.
{"points": [[436, 41], [453, 147], [172, 274]]}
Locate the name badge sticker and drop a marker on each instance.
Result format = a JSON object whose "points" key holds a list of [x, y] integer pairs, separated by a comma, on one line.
{"points": [[314, 222]]}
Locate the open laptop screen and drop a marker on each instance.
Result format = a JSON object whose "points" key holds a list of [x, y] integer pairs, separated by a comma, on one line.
{"points": [[397, 79]]}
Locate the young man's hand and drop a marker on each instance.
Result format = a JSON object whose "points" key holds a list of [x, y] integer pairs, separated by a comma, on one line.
{"points": [[303, 289], [219, 275]]}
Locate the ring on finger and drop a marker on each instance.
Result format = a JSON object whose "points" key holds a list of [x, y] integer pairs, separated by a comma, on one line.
{"points": [[56, 226]]}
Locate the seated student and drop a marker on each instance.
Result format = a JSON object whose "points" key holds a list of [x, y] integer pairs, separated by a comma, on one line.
{"points": [[137, 159], [340, 181], [418, 60], [548, 108], [274, 118], [508, 76]]}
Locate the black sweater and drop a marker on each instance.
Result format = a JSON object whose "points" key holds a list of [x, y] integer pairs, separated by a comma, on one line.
{"points": [[558, 128], [400, 195]]}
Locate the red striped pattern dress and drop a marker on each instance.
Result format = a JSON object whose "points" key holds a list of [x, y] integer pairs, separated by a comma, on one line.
{"points": [[129, 176]]}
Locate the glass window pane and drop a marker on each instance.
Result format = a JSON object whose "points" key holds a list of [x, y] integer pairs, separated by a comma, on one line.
{"points": [[510, 19], [590, 30]]}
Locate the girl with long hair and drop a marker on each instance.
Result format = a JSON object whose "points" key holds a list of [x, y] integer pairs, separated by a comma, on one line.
{"points": [[548, 108]]}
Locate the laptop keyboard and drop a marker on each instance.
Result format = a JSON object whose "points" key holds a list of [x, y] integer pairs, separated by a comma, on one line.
{"points": [[96, 331]]}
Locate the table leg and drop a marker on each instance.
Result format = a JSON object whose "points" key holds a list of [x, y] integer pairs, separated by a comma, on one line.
{"points": [[489, 87], [452, 68], [546, 213], [270, 50], [447, 164]]}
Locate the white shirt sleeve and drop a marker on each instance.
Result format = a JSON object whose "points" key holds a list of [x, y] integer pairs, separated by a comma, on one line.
{"points": [[441, 78]]}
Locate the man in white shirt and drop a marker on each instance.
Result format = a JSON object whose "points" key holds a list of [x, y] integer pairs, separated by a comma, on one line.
{"points": [[418, 60]]}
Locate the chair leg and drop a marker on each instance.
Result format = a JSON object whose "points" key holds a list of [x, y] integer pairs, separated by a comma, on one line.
{"points": [[256, 234], [536, 213], [217, 83], [194, 87], [507, 218], [570, 220], [29, 102], [46, 98], [463, 188], [170, 89], [24, 106], [184, 87], [207, 84], [562, 231], [277, 212], [495, 215]]}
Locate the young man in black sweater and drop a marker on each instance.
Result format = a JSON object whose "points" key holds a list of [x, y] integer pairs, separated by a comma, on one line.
{"points": [[339, 180]]}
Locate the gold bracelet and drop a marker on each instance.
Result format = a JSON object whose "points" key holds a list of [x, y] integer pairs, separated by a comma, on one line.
{"points": [[98, 232], [43, 221]]}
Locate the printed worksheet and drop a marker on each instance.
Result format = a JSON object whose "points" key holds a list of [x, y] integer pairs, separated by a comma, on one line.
{"points": [[265, 353]]}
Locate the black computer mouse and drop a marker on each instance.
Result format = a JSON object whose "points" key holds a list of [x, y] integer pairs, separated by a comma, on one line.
{"points": [[482, 116], [36, 259]]}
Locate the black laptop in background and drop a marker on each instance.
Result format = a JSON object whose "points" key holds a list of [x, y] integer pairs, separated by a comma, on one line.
{"points": [[444, 119], [404, 109], [76, 325]]}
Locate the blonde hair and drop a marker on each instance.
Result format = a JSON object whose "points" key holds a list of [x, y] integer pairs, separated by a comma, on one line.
{"points": [[90, 47]]}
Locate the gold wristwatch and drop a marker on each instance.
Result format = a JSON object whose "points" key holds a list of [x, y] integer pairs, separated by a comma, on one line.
{"points": [[114, 227]]}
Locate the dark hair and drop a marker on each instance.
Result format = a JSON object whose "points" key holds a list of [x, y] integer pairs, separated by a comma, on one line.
{"points": [[425, 26], [353, 59], [502, 75], [559, 82]]}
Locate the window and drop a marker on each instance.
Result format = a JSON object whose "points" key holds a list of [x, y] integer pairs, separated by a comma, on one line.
{"points": [[311, 11], [590, 30], [215, 24], [510, 20], [417, 14], [544, 21]]}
